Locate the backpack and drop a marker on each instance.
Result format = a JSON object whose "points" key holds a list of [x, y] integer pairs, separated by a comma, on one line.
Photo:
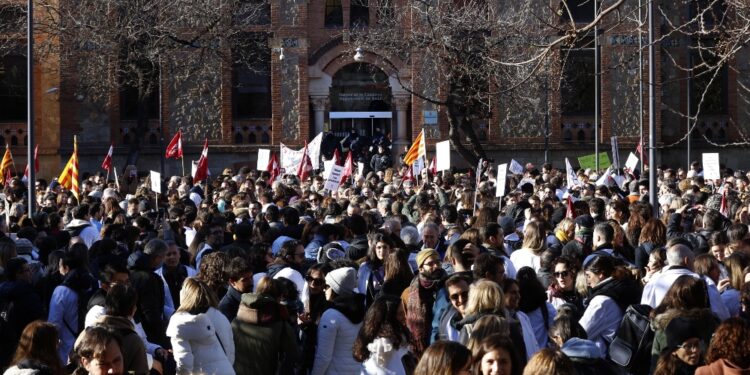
{"points": [[631, 347]]}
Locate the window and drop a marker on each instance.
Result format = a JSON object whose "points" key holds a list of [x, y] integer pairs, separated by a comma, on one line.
{"points": [[334, 14], [130, 105], [578, 10], [360, 14], [251, 88], [577, 86], [13, 88]]}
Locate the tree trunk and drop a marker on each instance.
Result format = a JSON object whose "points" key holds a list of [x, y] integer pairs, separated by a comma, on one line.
{"points": [[457, 122]]}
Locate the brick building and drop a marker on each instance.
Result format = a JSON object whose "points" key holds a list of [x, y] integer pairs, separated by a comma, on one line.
{"points": [[312, 82]]}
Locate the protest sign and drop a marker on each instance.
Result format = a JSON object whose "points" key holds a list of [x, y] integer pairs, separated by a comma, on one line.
{"points": [[515, 167], [264, 155], [443, 152], [156, 182], [334, 178], [711, 167], [589, 161], [632, 162], [502, 172]]}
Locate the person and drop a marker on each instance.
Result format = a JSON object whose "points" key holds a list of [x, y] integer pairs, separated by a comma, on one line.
{"points": [[151, 296], [99, 352], [563, 290], [37, 349], [496, 355], [685, 346], [529, 255], [114, 272], [371, 274], [81, 227], [240, 281], [262, 332], [339, 324], [288, 262], [512, 298], [419, 298], [22, 306], [549, 362], [612, 290], [173, 273], [570, 338], [382, 344], [200, 334], [398, 273], [445, 358], [729, 352], [382, 160], [653, 236], [534, 304], [314, 302], [736, 265], [457, 288]]}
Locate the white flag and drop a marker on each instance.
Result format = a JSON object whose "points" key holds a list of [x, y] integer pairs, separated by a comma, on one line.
{"points": [[604, 179], [313, 150], [571, 174], [418, 166], [515, 167]]}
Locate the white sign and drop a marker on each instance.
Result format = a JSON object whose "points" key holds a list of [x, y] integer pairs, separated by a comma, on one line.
{"points": [[502, 173], [632, 162], [604, 179], [515, 167], [290, 158], [443, 155], [570, 174], [264, 155], [360, 169], [156, 182], [327, 165], [711, 167], [417, 166], [334, 178]]}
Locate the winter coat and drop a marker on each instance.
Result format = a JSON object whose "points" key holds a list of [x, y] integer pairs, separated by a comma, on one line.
{"points": [[605, 309], [151, 298], [202, 343], [27, 307], [133, 350], [384, 359], [263, 336], [230, 303], [526, 258], [63, 309], [721, 367], [338, 329], [659, 324], [658, 285], [83, 229], [521, 332]]}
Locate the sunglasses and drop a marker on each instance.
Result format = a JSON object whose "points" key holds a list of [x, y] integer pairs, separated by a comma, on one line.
{"points": [[315, 281], [561, 274]]}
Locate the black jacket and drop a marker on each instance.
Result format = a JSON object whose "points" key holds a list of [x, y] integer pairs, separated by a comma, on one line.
{"points": [[230, 303], [150, 298], [699, 239], [26, 307], [358, 248]]}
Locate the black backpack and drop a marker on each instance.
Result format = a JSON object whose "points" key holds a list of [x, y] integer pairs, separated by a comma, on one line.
{"points": [[631, 348]]}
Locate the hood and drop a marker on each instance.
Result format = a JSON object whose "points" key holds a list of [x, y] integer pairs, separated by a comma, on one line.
{"points": [[580, 348], [139, 261], [117, 323], [660, 321], [625, 292], [13, 290], [352, 306], [259, 309]]}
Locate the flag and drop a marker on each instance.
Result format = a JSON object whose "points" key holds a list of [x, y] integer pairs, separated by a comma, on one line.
{"points": [[313, 150], [36, 164], [418, 166], [409, 175], [305, 166], [107, 163], [639, 151], [201, 171], [417, 149], [605, 178], [571, 174], [348, 168], [515, 167], [336, 156], [570, 213], [8, 175], [433, 165], [274, 168], [174, 148], [5, 164], [69, 176], [724, 208]]}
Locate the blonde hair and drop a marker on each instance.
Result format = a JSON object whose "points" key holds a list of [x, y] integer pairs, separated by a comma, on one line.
{"points": [[549, 362], [196, 297], [484, 327], [533, 238], [485, 296]]}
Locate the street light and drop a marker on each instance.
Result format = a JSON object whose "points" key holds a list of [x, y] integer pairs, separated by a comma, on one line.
{"points": [[30, 184]]}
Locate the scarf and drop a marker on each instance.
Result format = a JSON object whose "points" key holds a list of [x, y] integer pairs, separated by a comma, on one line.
{"points": [[561, 236], [419, 311]]}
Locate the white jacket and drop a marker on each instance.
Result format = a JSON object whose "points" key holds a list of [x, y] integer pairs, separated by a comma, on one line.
{"points": [[202, 343], [336, 336], [384, 358]]}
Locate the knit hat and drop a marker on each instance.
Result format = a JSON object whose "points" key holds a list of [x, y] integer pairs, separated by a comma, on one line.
{"points": [[425, 254], [342, 281]]}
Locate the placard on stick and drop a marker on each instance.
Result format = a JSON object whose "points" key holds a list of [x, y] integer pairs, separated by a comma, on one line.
{"points": [[264, 155], [443, 153], [711, 167]]}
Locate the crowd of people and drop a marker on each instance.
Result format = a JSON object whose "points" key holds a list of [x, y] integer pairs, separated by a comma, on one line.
{"points": [[388, 274]]}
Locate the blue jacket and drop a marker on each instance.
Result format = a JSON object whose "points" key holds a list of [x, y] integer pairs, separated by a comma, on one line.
{"points": [[439, 308], [311, 250]]}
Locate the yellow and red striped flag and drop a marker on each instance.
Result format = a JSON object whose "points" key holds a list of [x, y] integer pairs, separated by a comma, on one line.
{"points": [[418, 149], [5, 164], [69, 176]]}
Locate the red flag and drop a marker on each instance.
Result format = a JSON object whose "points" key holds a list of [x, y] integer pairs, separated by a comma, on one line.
{"points": [[433, 165], [107, 163], [571, 213], [409, 175], [273, 168], [348, 168], [36, 163], [336, 157], [305, 166], [174, 148], [724, 208], [201, 172], [8, 176]]}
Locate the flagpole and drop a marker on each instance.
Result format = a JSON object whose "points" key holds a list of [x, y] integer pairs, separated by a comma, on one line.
{"points": [[117, 181], [182, 158]]}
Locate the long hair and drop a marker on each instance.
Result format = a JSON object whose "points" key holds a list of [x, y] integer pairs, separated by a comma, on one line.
{"points": [[213, 271], [549, 362], [667, 364], [493, 343], [731, 342], [736, 264], [485, 296], [687, 292], [373, 239], [381, 321], [654, 232], [397, 266], [533, 294], [196, 297], [533, 237], [443, 358], [39, 342]]}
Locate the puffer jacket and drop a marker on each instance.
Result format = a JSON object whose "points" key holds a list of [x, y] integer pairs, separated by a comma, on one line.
{"points": [[337, 331], [202, 343]]}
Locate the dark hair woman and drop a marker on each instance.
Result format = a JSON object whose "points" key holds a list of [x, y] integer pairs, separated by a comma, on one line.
{"points": [[496, 354], [563, 290], [653, 236], [445, 358], [382, 343], [534, 304], [371, 274]]}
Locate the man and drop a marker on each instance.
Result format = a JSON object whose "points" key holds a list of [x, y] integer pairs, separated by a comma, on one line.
{"points": [[242, 234], [493, 241], [444, 325], [358, 246], [120, 306], [150, 290], [581, 246], [326, 233], [113, 273], [680, 262], [418, 299], [287, 263], [81, 227], [431, 238], [712, 221], [214, 240], [240, 282], [490, 267], [602, 239]]}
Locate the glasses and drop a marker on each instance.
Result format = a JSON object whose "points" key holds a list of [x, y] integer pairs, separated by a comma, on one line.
{"points": [[462, 295], [560, 275], [692, 345], [315, 281]]}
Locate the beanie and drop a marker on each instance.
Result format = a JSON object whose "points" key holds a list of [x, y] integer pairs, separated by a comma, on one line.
{"points": [[342, 281], [425, 254]]}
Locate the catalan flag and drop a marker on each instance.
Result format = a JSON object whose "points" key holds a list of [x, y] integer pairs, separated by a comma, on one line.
{"points": [[69, 176], [418, 149], [6, 164]]}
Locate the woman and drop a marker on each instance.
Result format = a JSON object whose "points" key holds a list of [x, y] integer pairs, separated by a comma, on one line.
{"points": [[398, 273], [445, 358], [657, 260], [570, 338], [201, 335], [564, 289], [37, 347], [653, 236], [371, 274], [729, 352], [687, 297], [382, 344], [686, 343], [339, 324], [486, 326], [736, 265], [534, 304], [213, 272], [564, 232], [549, 362], [529, 255], [496, 355], [173, 273], [612, 290]]}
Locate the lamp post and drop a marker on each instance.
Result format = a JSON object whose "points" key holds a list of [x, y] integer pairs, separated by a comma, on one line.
{"points": [[31, 182], [596, 87], [651, 112]]}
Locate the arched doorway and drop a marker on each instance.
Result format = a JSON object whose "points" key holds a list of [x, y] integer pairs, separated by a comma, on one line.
{"points": [[360, 100]]}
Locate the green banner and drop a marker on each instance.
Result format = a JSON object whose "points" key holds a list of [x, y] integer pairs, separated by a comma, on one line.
{"points": [[589, 161]]}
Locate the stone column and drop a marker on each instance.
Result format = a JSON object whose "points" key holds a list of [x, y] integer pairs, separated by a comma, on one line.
{"points": [[319, 104], [399, 127]]}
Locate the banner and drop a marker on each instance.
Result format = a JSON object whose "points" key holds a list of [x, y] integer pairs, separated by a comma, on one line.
{"points": [[711, 167], [443, 152], [589, 161], [290, 158], [313, 150], [264, 155], [334, 178], [502, 174], [327, 166], [418, 166]]}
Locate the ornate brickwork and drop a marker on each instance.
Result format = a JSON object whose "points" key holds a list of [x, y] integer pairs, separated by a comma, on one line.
{"points": [[290, 97]]}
